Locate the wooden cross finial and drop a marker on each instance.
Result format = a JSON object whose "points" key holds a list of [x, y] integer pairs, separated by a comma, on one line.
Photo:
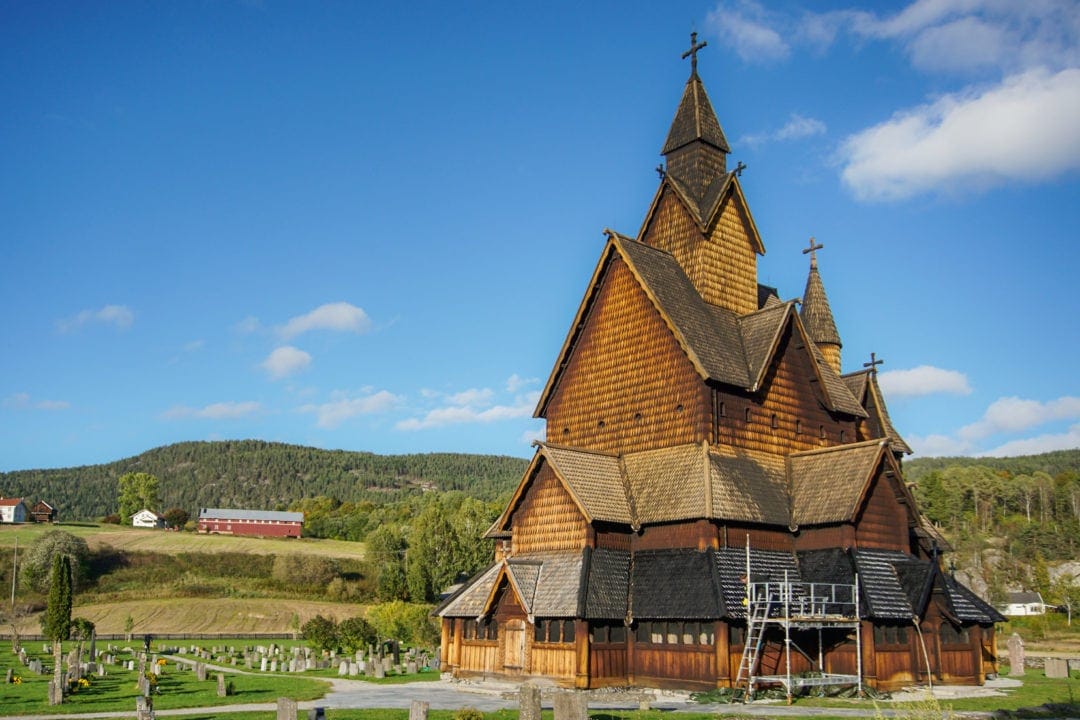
{"points": [[661, 171], [739, 168], [814, 247], [693, 51], [874, 362]]}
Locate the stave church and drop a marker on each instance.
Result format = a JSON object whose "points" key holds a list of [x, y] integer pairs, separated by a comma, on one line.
{"points": [[716, 503]]}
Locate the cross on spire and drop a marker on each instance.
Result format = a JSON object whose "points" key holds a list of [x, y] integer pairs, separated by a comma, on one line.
{"points": [[874, 362], [693, 51], [812, 250]]}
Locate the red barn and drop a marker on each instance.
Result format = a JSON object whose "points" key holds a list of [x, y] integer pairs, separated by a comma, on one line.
{"points": [[265, 523]]}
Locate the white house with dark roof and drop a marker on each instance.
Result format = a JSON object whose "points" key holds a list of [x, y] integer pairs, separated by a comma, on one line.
{"points": [[1024, 603], [147, 519]]}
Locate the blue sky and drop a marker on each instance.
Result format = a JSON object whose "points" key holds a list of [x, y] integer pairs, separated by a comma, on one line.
{"points": [[368, 225]]}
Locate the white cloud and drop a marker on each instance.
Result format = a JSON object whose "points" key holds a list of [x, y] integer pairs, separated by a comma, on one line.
{"points": [[23, 401], [747, 28], [460, 415], [1013, 414], [938, 446], [797, 127], [1024, 129], [923, 380], [341, 407], [119, 316], [339, 317], [515, 382], [472, 397], [1068, 440], [285, 361], [248, 325], [214, 411], [530, 436]]}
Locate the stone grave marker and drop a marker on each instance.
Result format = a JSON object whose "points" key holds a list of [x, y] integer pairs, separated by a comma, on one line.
{"points": [[144, 708], [10, 674], [200, 671], [418, 710], [286, 709], [1016, 655], [571, 705], [380, 670], [273, 666], [309, 663], [100, 669], [262, 663], [247, 661], [529, 702], [1057, 667], [221, 689], [343, 668], [156, 669], [410, 667], [354, 669]]}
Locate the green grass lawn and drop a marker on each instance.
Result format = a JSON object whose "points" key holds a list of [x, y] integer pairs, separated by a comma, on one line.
{"points": [[118, 689]]}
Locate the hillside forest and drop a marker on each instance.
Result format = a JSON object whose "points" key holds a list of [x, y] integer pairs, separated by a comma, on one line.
{"points": [[1013, 523]]}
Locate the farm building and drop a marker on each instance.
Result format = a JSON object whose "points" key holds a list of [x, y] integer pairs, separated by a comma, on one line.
{"points": [[1024, 603], [43, 512], [264, 523], [715, 504], [147, 519], [12, 510]]}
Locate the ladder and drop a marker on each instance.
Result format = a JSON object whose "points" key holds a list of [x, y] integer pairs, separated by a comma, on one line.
{"points": [[757, 615]]}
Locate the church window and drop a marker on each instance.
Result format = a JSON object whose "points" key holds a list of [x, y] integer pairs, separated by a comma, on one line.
{"points": [[679, 408], [798, 427], [601, 424], [736, 635], [746, 414], [774, 422], [841, 436], [821, 432], [723, 410], [952, 635]]}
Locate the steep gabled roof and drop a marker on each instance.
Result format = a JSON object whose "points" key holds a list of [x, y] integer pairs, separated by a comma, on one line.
{"points": [[816, 312], [828, 485], [864, 387], [720, 345], [706, 209]]}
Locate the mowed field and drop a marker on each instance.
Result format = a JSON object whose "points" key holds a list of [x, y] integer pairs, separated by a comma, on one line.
{"points": [[167, 542], [236, 616]]}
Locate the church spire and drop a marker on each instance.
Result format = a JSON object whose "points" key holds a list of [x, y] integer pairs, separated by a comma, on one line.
{"points": [[696, 149], [817, 315]]}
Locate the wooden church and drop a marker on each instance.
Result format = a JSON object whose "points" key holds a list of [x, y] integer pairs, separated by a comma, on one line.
{"points": [[716, 503]]}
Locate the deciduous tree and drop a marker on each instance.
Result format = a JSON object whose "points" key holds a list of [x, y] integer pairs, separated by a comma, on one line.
{"points": [[135, 491]]}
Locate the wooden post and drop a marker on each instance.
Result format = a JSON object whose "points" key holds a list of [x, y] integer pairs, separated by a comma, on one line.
{"points": [[581, 644], [869, 655], [444, 645], [723, 654], [455, 647], [631, 641]]}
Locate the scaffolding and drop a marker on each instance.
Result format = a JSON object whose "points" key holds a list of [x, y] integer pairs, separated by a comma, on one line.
{"points": [[796, 605]]}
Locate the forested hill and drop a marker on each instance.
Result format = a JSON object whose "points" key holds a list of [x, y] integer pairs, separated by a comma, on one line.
{"points": [[263, 475], [1051, 463]]}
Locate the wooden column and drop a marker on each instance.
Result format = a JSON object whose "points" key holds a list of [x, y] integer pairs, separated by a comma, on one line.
{"points": [[631, 641], [975, 638], [446, 627], [581, 645], [869, 653], [455, 647], [723, 654]]}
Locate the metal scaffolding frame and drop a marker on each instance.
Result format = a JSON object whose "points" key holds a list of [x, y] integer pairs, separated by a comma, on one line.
{"points": [[797, 605]]}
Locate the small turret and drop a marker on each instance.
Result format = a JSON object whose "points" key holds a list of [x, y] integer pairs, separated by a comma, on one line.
{"points": [[817, 315]]}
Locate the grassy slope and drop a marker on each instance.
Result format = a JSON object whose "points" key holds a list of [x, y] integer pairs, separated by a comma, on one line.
{"points": [[171, 543]]}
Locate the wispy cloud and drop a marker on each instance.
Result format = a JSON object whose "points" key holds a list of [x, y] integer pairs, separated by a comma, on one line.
{"points": [[337, 317], [796, 128], [516, 383], [923, 380], [1068, 440], [248, 325], [342, 407], [1021, 130], [1013, 414], [215, 411], [454, 414], [284, 361], [23, 401], [119, 316], [750, 30]]}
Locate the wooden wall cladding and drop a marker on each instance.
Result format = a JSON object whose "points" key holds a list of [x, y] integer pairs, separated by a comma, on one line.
{"points": [[628, 385], [547, 517], [783, 416], [883, 522], [552, 661]]}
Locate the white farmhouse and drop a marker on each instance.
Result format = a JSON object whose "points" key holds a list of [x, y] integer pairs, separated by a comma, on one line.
{"points": [[1024, 603], [12, 510], [147, 519]]}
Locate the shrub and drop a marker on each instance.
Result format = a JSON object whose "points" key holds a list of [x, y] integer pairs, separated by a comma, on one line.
{"points": [[303, 572], [320, 633], [355, 633], [468, 713], [409, 623], [37, 563], [113, 519]]}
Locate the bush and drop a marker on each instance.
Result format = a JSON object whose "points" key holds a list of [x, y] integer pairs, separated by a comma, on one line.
{"points": [[320, 633], [113, 519], [356, 633], [37, 563], [307, 573], [468, 713], [409, 623]]}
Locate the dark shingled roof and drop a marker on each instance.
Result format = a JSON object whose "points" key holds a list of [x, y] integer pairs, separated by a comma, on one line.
{"points": [[969, 606], [677, 584], [816, 313], [880, 585], [608, 584], [695, 120], [767, 564], [864, 387]]}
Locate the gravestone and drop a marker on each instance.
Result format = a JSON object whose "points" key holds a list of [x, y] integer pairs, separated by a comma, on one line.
{"points": [[354, 669], [144, 685], [273, 666], [144, 708], [131, 665], [529, 702], [309, 664], [380, 670], [571, 705], [247, 661], [100, 669], [418, 710], [1057, 667], [156, 669], [387, 663], [56, 693], [410, 667], [221, 689], [10, 674], [200, 671], [293, 665], [262, 663], [363, 666], [359, 655], [286, 709], [1016, 655], [343, 668]]}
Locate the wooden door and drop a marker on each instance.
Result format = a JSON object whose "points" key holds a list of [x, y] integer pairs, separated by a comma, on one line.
{"points": [[514, 649]]}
